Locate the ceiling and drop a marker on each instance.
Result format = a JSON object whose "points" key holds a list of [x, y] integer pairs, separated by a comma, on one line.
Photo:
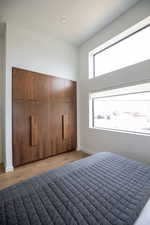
{"points": [[72, 20]]}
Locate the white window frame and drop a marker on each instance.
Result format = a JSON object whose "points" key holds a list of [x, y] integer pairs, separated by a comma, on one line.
{"points": [[138, 88], [122, 36]]}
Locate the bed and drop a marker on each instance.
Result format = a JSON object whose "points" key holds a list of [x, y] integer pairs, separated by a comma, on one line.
{"points": [[103, 189]]}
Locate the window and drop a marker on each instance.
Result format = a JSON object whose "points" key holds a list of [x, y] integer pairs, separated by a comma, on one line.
{"points": [[126, 49], [125, 109]]}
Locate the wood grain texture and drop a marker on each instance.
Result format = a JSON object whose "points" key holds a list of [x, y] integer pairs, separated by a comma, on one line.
{"points": [[57, 113], [69, 91], [31, 142], [1, 168], [34, 130], [28, 85], [36, 168], [44, 116], [70, 141], [58, 86]]}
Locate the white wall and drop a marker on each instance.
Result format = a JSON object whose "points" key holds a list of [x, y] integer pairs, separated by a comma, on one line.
{"points": [[2, 95], [92, 140], [38, 53], [1, 73], [34, 51]]}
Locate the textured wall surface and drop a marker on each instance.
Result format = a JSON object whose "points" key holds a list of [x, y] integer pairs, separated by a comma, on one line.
{"points": [[95, 140]]}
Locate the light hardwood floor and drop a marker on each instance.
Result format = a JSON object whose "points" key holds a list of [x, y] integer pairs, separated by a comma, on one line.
{"points": [[33, 169]]}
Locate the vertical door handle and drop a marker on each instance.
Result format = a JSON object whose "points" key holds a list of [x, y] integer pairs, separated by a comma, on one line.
{"points": [[33, 130], [65, 126], [62, 118]]}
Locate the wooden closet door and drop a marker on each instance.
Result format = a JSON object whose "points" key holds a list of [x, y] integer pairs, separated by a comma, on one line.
{"points": [[43, 129], [57, 86], [57, 125], [31, 132], [69, 91], [70, 122], [23, 84], [28, 85], [64, 127], [44, 116], [23, 148], [69, 127], [64, 115]]}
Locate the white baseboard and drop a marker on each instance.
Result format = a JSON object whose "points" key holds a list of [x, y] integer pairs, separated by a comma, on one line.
{"points": [[9, 169], [86, 150], [78, 148]]}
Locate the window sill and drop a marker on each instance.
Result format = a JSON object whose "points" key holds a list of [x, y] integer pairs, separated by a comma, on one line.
{"points": [[119, 131]]}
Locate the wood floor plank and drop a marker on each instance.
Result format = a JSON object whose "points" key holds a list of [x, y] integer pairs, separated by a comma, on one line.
{"points": [[36, 168]]}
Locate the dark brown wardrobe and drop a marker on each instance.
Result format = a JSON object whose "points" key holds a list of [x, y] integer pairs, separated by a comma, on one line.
{"points": [[44, 116]]}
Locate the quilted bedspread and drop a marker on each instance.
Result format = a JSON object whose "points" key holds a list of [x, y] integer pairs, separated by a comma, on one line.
{"points": [[103, 189]]}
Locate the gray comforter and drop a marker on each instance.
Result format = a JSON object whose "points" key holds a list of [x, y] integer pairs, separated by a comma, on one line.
{"points": [[103, 189]]}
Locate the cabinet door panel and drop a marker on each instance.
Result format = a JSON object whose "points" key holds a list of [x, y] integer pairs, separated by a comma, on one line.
{"points": [[42, 87], [70, 126], [57, 124], [69, 91], [57, 85], [29, 85], [31, 132], [23, 84], [42, 111], [22, 149]]}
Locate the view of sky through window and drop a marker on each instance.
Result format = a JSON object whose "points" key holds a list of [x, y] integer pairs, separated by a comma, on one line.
{"points": [[127, 52]]}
